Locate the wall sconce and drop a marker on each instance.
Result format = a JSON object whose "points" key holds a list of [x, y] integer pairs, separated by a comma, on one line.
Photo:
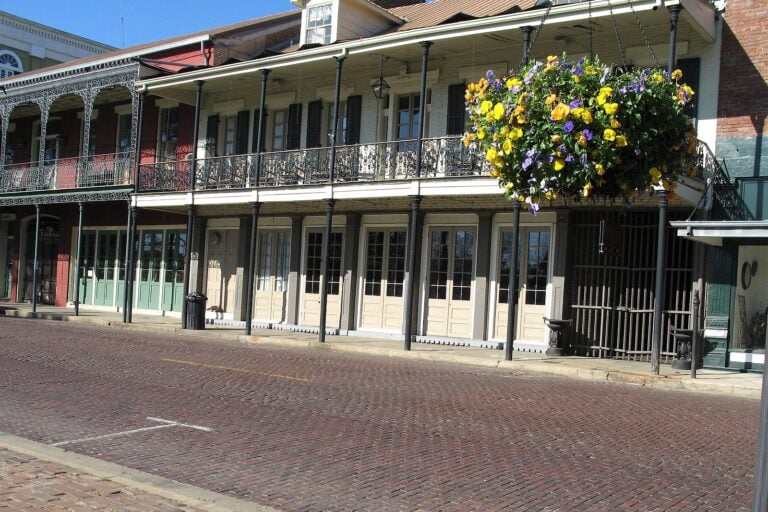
{"points": [[380, 87]]}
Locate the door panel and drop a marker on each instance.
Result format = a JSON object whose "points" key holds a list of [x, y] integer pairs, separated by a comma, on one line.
{"points": [[150, 261], [450, 277], [313, 280], [173, 282], [221, 283], [104, 271], [382, 302], [273, 261], [87, 262]]}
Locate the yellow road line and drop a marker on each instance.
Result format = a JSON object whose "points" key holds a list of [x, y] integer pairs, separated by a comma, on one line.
{"points": [[241, 370]]}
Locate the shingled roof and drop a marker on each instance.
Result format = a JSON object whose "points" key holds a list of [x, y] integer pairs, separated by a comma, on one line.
{"points": [[446, 11]]}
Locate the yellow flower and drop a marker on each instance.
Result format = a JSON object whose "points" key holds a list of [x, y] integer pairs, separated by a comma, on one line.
{"points": [[521, 120], [519, 110], [582, 140], [514, 82], [677, 74], [559, 164], [576, 112], [468, 138], [656, 78], [556, 138], [576, 78], [495, 173], [490, 155], [621, 141], [615, 123], [504, 131], [586, 189], [611, 108], [591, 70], [655, 174], [550, 99], [499, 112], [515, 133], [606, 91], [609, 135], [485, 106], [552, 58], [507, 146], [549, 194], [586, 116], [560, 112], [481, 133], [499, 162], [600, 169]]}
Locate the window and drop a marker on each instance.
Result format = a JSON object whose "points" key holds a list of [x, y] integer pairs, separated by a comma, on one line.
{"points": [[537, 268], [408, 119], [167, 133], [279, 129], [124, 134], [314, 263], [9, 64], [319, 24], [456, 109], [385, 262]]}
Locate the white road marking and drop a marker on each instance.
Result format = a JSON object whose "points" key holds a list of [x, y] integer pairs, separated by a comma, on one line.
{"points": [[165, 424]]}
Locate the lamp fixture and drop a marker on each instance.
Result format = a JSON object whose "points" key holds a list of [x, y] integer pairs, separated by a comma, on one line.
{"points": [[380, 86]]}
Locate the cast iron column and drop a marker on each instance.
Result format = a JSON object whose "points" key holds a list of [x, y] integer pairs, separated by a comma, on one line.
{"points": [[422, 104], [128, 251], [658, 302], [251, 266], [76, 298], [526, 44], [130, 272], [329, 203], [412, 256], [195, 135], [260, 128], [512, 294], [674, 14], [187, 262], [137, 149], [34, 262]]}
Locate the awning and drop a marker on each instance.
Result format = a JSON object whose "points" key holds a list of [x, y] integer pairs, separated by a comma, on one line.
{"points": [[712, 232]]}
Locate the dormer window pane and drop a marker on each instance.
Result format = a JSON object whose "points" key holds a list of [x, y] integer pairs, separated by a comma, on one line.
{"points": [[319, 24]]}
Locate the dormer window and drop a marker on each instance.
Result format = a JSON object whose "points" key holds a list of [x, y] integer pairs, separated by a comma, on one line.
{"points": [[319, 24]]}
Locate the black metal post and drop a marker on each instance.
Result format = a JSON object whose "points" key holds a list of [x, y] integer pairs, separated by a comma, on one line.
{"points": [[76, 298], [658, 299], [195, 136], [412, 257], [260, 128], [526, 44], [128, 251], [34, 262], [760, 489], [129, 268], [425, 45], [326, 268], [137, 149], [255, 207], [512, 294], [187, 262], [674, 14], [695, 334]]}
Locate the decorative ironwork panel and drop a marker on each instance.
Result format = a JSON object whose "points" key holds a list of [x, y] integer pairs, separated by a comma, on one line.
{"points": [[611, 294], [170, 176], [63, 198]]}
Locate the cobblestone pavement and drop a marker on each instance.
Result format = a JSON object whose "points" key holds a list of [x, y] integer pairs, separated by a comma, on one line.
{"points": [[305, 430], [32, 484]]}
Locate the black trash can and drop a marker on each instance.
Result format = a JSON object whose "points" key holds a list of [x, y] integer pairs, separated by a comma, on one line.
{"points": [[196, 311]]}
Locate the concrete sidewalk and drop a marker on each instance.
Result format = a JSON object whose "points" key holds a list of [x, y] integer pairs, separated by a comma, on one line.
{"points": [[719, 382]]}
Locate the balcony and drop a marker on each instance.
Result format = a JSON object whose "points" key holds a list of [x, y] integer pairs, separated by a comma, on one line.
{"points": [[375, 162], [105, 170]]}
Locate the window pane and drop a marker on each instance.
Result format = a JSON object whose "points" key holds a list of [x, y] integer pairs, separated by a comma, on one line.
{"points": [[314, 258], [374, 263], [438, 264], [265, 261], [462, 264], [396, 264], [334, 262]]}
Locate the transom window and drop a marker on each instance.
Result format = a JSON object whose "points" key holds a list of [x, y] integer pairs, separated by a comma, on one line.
{"points": [[9, 64], [319, 24]]}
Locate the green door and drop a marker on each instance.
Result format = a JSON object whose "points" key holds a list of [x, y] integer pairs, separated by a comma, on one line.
{"points": [[87, 259], [150, 262], [104, 271], [122, 240], [173, 283]]}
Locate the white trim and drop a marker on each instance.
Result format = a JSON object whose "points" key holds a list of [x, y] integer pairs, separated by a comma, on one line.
{"points": [[736, 356]]}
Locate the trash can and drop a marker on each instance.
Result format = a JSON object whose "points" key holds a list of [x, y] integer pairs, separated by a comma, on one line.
{"points": [[196, 311]]}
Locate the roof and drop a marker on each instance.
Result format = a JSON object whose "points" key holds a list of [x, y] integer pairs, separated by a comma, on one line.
{"points": [[149, 48], [445, 11]]}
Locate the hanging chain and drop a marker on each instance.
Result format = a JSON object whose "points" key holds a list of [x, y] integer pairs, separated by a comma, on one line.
{"points": [[618, 38], [589, 20], [645, 36], [536, 33]]}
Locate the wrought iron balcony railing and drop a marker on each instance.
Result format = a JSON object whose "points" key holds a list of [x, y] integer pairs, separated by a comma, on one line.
{"points": [[107, 170], [382, 161]]}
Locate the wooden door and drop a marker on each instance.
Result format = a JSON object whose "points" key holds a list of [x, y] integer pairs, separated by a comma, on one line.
{"points": [[273, 253], [313, 280], [382, 301]]}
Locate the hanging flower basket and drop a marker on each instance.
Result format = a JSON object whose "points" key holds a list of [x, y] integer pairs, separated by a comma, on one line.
{"points": [[579, 129]]}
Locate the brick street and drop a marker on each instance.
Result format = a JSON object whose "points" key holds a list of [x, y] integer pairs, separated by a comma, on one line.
{"points": [[317, 430]]}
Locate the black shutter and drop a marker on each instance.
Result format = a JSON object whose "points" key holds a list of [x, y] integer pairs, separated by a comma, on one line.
{"points": [[314, 123], [241, 136], [354, 113], [254, 144], [690, 69], [294, 127], [212, 135], [456, 111]]}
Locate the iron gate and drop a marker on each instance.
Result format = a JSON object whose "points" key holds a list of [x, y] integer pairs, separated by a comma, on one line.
{"points": [[612, 269]]}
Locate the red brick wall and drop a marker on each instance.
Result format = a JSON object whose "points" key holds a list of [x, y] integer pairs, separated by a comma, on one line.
{"points": [[743, 92]]}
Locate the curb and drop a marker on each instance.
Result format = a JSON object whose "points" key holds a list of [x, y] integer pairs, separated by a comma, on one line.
{"points": [[145, 482], [663, 382]]}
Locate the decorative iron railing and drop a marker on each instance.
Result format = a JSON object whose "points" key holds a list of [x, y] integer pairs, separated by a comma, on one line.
{"points": [[106, 170], [728, 202], [381, 161]]}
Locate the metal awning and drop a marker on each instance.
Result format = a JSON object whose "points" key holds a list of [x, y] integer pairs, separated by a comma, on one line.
{"points": [[712, 232]]}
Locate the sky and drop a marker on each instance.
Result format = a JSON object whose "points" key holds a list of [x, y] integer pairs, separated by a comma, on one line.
{"points": [[123, 23]]}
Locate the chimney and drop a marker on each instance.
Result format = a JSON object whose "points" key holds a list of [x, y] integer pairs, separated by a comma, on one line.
{"points": [[389, 4]]}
